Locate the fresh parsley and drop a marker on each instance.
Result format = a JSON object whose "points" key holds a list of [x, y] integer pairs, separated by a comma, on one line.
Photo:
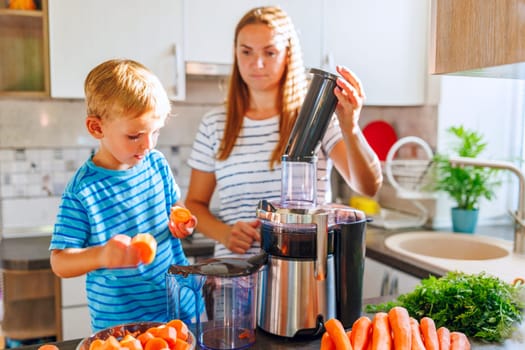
{"points": [[483, 307]]}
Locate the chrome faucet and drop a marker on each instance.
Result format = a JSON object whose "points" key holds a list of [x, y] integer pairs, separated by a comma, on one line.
{"points": [[519, 214]]}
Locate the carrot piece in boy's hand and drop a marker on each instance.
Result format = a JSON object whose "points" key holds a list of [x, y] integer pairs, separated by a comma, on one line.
{"points": [[180, 215], [146, 245], [182, 222]]}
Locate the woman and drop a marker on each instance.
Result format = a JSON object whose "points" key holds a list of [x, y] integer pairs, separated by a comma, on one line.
{"points": [[238, 148]]}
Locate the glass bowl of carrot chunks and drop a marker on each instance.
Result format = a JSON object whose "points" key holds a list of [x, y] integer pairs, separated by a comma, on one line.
{"points": [[142, 336]]}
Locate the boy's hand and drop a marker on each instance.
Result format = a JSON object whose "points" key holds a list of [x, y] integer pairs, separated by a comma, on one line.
{"points": [[181, 230], [117, 252], [182, 222]]}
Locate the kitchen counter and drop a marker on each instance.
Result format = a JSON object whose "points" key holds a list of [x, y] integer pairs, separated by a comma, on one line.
{"points": [[265, 341], [32, 253]]}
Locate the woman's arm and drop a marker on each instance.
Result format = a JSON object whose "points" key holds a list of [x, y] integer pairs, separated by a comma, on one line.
{"points": [[237, 238], [355, 160]]}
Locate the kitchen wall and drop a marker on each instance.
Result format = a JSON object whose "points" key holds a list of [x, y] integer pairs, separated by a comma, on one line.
{"points": [[43, 141]]}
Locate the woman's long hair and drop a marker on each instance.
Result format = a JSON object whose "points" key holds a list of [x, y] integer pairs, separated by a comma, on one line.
{"points": [[292, 88]]}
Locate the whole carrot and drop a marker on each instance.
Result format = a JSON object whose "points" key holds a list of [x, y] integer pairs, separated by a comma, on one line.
{"points": [[381, 338], [443, 338], [326, 342], [401, 331], [360, 336], [459, 341], [335, 328], [417, 341], [428, 329]]}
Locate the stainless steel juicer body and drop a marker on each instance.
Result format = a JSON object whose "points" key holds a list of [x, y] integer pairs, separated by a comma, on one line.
{"points": [[315, 267], [296, 287]]}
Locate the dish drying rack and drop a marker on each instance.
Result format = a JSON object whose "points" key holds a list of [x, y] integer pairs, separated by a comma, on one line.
{"points": [[411, 179]]}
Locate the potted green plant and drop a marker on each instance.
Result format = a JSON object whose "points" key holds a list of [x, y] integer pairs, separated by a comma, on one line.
{"points": [[466, 185]]}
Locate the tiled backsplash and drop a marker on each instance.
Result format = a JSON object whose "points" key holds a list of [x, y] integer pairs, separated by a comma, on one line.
{"points": [[32, 181], [42, 143], [33, 173]]}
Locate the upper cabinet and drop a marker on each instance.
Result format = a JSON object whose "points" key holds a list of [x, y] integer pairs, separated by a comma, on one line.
{"points": [[209, 31], [478, 38], [23, 45], [384, 42], [83, 34]]}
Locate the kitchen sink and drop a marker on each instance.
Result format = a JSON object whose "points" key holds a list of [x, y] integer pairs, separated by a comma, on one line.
{"points": [[448, 245]]}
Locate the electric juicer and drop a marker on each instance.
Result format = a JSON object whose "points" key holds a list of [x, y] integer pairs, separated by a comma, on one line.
{"points": [[315, 251]]}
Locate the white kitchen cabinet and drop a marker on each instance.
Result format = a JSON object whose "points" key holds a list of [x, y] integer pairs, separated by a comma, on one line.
{"points": [[82, 34], [209, 29], [384, 42], [76, 322], [382, 280]]}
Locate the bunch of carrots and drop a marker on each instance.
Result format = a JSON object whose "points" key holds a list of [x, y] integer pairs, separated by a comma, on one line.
{"points": [[393, 330]]}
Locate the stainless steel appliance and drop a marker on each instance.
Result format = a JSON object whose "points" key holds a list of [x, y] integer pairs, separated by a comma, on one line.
{"points": [[315, 252]]}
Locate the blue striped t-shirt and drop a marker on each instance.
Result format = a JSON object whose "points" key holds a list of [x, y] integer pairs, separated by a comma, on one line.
{"points": [[245, 177], [99, 203]]}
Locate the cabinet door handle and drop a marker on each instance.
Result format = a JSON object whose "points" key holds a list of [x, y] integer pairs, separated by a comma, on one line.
{"points": [[394, 288], [178, 89], [384, 284]]}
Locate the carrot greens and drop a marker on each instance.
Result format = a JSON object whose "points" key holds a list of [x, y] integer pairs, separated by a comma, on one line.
{"points": [[483, 307]]}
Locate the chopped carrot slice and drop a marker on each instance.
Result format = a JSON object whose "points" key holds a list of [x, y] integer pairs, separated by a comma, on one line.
{"points": [[180, 215], [181, 327], [157, 344]]}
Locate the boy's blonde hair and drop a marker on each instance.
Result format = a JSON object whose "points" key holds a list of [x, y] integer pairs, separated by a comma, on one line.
{"points": [[124, 86]]}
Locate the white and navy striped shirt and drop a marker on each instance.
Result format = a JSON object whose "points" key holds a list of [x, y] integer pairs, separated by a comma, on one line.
{"points": [[245, 177]]}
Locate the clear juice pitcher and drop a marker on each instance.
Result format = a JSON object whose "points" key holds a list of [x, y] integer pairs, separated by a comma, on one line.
{"points": [[225, 290]]}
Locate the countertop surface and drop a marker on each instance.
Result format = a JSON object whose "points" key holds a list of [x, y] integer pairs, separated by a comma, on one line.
{"points": [[32, 253]]}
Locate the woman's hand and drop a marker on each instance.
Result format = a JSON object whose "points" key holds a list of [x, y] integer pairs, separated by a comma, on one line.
{"points": [[351, 96], [117, 252], [242, 235]]}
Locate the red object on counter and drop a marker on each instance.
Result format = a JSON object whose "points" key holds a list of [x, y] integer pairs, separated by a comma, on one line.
{"points": [[381, 136]]}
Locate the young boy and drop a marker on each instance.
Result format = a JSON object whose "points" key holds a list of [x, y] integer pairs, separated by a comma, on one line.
{"points": [[124, 189]]}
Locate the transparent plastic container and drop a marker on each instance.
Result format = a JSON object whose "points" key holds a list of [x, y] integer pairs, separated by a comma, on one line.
{"points": [[228, 288]]}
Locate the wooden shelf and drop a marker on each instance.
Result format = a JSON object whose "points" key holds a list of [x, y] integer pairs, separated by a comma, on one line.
{"points": [[20, 13], [25, 54]]}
